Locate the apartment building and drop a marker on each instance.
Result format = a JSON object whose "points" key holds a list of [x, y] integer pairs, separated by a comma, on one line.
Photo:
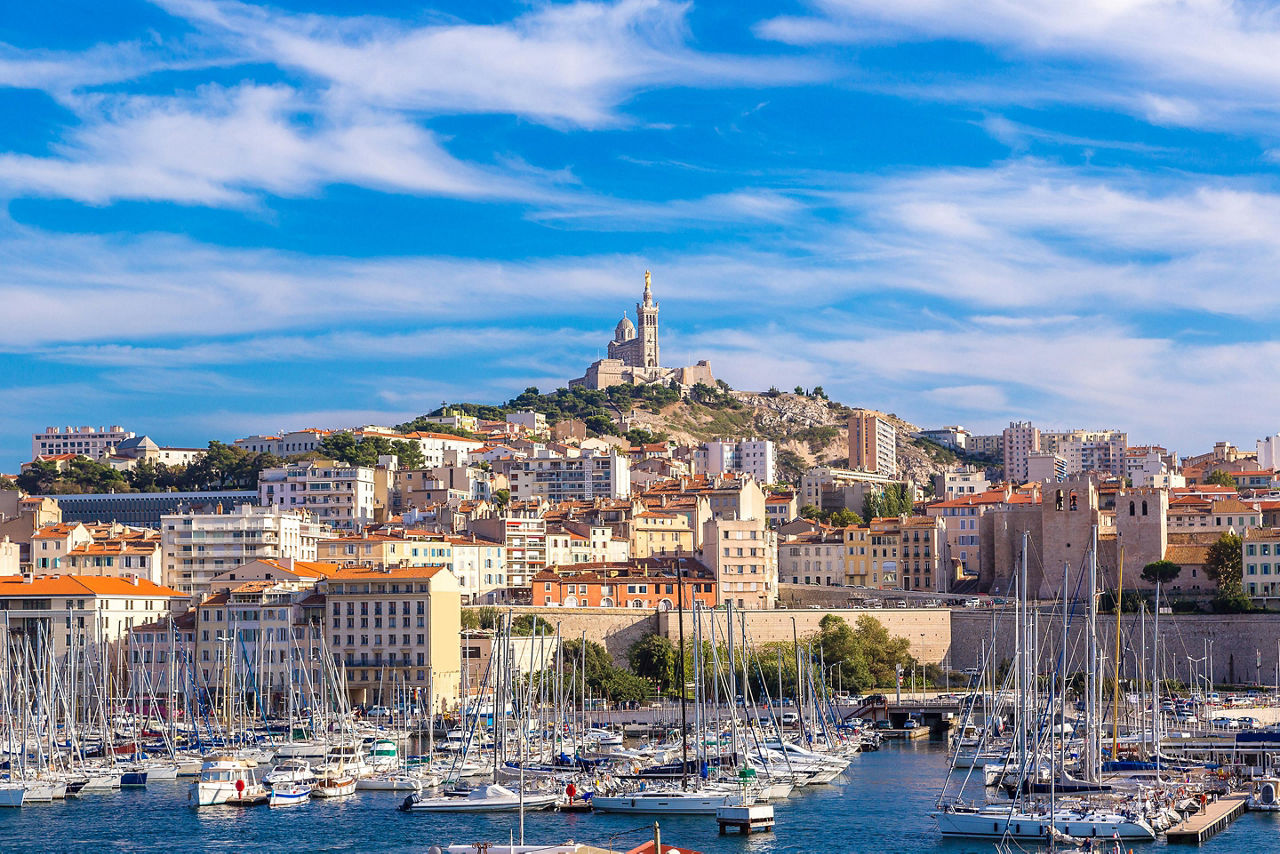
{"points": [[525, 540], [743, 554], [585, 478], [649, 584], [335, 494], [66, 609], [961, 481], [658, 533], [257, 627], [873, 443], [1020, 439], [198, 546], [391, 628], [384, 550], [813, 558], [756, 457], [96, 444], [923, 564], [480, 566], [286, 444], [1046, 466], [1260, 548]]}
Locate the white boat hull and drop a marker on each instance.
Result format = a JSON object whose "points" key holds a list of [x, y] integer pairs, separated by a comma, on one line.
{"points": [[665, 804], [996, 824]]}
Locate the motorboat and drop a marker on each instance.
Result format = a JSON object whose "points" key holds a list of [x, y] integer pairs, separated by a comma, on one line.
{"points": [[397, 781], [1265, 795], [290, 771], [289, 793], [224, 779], [489, 798], [336, 778]]}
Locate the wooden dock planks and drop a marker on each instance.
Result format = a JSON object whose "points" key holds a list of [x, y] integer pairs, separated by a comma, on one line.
{"points": [[1200, 826]]}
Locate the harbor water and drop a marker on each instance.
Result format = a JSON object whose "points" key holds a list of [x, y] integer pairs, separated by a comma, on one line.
{"points": [[882, 805]]}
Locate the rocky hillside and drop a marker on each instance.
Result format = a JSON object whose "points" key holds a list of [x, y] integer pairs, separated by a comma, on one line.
{"points": [[809, 430]]}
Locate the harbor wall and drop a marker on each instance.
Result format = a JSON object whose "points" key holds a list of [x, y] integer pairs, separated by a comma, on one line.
{"points": [[928, 629], [1237, 641]]}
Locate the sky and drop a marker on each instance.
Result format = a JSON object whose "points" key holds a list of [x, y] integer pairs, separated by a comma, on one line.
{"points": [[223, 218]]}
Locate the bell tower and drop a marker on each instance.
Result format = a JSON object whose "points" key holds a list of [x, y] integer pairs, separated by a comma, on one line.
{"points": [[647, 315]]}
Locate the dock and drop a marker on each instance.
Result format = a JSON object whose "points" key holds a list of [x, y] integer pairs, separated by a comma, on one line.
{"points": [[746, 819], [904, 734], [1201, 825]]}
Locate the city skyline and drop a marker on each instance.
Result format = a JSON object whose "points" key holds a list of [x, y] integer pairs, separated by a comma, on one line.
{"points": [[223, 219]]}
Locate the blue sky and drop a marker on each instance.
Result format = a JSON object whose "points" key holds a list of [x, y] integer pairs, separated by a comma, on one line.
{"points": [[225, 218]]}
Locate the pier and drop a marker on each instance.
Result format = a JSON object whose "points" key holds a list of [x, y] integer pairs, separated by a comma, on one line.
{"points": [[1214, 817], [745, 819]]}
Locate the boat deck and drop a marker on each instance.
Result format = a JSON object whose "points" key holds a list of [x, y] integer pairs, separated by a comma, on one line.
{"points": [[1201, 825]]}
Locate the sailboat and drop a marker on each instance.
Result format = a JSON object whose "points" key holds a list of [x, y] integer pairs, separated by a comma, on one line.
{"points": [[1028, 819]]}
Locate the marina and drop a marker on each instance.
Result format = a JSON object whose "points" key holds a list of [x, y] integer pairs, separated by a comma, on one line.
{"points": [[882, 803]]}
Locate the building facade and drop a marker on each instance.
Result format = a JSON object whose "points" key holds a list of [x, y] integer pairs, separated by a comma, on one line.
{"points": [[335, 494], [873, 443], [198, 546], [96, 444]]}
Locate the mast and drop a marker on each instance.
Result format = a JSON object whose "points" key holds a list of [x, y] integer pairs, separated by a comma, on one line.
{"points": [[1115, 684], [684, 712], [1092, 722]]}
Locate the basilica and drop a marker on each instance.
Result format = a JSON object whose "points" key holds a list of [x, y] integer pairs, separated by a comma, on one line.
{"points": [[633, 354]]}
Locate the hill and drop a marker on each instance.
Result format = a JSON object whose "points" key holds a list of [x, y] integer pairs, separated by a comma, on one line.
{"points": [[808, 428]]}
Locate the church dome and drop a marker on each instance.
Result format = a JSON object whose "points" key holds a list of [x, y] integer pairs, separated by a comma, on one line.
{"points": [[625, 330]]}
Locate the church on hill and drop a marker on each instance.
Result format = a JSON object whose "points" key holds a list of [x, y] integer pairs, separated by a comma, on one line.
{"points": [[633, 354]]}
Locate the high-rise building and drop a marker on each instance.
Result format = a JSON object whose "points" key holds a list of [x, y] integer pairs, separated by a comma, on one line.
{"points": [[873, 443], [1020, 441]]}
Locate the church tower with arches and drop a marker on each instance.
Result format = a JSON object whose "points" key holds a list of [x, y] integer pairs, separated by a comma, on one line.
{"points": [[634, 357], [638, 348]]}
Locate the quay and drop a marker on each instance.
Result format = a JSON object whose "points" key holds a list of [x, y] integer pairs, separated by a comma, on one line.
{"points": [[1215, 817]]}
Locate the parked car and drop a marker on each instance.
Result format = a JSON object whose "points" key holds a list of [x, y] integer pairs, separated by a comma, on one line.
{"points": [[910, 723], [790, 719], [884, 724]]}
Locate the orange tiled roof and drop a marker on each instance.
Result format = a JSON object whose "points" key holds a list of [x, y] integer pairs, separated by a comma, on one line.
{"points": [[82, 585]]}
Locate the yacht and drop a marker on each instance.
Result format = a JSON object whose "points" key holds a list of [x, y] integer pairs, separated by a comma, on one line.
{"points": [[668, 801], [289, 792], [998, 820], [490, 798], [1265, 794]]}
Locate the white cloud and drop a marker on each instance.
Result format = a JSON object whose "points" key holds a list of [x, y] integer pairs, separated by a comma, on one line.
{"points": [[1171, 61], [222, 147], [567, 64]]}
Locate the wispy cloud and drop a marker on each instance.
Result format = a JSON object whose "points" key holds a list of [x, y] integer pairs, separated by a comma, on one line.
{"points": [[569, 64], [1168, 61]]}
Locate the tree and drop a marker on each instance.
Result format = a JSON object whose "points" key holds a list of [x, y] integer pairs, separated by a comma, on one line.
{"points": [[810, 512], [883, 652], [502, 497], [1225, 566], [1220, 478], [38, 478], [1160, 572], [531, 624], [408, 454], [844, 518], [654, 657], [8, 482]]}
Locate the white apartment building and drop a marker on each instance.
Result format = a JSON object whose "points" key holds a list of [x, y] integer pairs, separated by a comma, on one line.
{"points": [[525, 540], [756, 457], [1094, 451], [1152, 466], [534, 422], [284, 445], [85, 441], [816, 558], [481, 569], [743, 553], [953, 436], [336, 494], [963, 481], [198, 546], [584, 478]]}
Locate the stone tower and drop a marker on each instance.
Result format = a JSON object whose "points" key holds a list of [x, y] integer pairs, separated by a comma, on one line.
{"points": [[647, 315]]}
